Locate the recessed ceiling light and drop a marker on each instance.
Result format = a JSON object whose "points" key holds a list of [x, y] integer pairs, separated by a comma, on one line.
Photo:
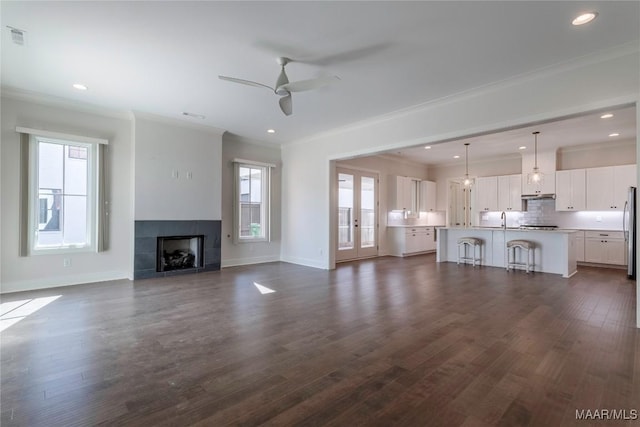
{"points": [[585, 18], [80, 86], [606, 116], [614, 134], [522, 148], [456, 157], [271, 131], [428, 147]]}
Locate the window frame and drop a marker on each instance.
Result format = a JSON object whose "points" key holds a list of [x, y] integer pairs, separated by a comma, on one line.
{"points": [[91, 233], [265, 208]]}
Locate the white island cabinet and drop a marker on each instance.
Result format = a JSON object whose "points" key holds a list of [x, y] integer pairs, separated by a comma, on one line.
{"points": [[411, 240], [555, 250]]}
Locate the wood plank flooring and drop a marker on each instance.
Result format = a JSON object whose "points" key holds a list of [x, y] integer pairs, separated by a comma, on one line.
{"points": [[380, 342]]}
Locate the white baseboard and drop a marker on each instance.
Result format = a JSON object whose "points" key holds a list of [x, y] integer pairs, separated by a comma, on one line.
{"points": [[56, 282], [305, 261], [234, 262]]}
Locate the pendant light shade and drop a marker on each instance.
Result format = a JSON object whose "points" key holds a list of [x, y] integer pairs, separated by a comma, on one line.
{"points": [[535, 177], [468, 182]]}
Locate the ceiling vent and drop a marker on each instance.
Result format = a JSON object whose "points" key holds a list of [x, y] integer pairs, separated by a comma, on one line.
{"points": [[18, 36]]}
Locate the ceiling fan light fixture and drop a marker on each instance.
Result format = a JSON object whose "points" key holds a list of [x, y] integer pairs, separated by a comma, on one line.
{"points": [[535, 177]]}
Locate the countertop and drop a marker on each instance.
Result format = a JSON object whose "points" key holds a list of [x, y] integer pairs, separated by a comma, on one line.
{"points": [[413, 226], [518, 229]]}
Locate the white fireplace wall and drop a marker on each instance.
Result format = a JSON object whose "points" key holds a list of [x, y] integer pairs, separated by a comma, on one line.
{"points": [[177, 170]]}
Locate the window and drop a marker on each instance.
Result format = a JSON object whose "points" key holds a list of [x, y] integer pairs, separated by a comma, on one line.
{"points": [[252, 201], [63, 198]]}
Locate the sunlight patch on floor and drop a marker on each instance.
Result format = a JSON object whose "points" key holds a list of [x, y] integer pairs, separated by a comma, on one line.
{"points": [[263, 289], [14, 311]]}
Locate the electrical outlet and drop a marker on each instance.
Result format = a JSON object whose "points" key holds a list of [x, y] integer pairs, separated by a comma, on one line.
{"points": [[189, 175], [174, 174], [66, 262]]}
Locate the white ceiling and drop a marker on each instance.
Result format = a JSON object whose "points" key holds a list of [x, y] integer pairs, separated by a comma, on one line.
{"points": [[164, 57], [580, 131]]}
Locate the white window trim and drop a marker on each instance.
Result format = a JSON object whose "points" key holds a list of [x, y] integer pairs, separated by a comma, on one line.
{"points": [[92, 199], [266, 204]]}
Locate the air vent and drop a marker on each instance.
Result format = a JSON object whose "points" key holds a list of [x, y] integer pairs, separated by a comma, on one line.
{"points": [[18, 36]]}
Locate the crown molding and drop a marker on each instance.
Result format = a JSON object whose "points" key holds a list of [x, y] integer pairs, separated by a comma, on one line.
{"points": [[234, 137], [54, 101], [176, 122]]}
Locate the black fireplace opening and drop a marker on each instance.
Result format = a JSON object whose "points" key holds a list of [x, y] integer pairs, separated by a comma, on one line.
{"points": [[180, 252]]}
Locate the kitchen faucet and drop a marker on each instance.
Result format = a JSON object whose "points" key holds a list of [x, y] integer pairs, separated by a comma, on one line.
{"points": [[503, 217]]}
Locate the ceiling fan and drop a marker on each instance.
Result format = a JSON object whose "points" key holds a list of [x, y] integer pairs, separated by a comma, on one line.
{"points": [[283, 87]]}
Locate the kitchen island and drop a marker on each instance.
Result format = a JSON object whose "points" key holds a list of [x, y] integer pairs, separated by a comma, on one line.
{"points": [[554, 249]]}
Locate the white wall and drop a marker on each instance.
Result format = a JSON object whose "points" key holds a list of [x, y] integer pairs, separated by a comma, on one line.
{"points": [[442, 174], [534, 97], [249, 252], [592, 156], [166, 152], [41, 271]]}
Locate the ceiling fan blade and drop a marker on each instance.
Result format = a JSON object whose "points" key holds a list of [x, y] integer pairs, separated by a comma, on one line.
{"points": [[244, 82], [286, 104], [303, 85]]}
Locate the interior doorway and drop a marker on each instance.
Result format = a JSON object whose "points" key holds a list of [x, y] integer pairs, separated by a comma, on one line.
{"points": [[357, 215]]}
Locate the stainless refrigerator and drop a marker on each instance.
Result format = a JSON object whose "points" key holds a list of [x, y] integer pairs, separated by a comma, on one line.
{"points": [[629, 227]]}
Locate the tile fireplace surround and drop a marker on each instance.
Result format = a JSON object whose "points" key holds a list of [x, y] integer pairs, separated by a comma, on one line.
{"points": [[146, 240]]}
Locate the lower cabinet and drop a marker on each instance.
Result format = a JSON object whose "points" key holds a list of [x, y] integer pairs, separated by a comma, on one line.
{"points": [[605, 247], [580, 246], [411, 240]]}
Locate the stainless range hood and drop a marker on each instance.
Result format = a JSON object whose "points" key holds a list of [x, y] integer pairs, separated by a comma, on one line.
{"points": [[538, 197]]}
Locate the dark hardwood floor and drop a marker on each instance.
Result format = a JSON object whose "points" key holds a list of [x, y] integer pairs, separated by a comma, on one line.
{"points": [[385, 342]]}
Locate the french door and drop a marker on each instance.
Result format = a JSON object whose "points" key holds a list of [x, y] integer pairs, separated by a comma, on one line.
{"points": [[357, 216]]}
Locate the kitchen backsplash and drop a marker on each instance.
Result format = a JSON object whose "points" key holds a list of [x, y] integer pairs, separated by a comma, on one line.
{"points": [[543, 212], [395, 219]]}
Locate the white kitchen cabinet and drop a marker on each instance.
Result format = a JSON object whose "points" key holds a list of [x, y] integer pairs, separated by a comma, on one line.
{"points": [[486, 194], [411, 240], [510, 193], [607, 187], [571, 190], [400, 193], [427, 196], [579, 246], [547, 165], [605, 247]]}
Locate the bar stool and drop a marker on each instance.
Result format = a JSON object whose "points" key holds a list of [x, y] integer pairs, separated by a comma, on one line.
{"points": [[465, 243], [524, 245]]}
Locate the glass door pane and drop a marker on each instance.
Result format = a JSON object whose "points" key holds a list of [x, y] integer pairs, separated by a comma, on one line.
{"points": [[345, 211], [367, 212]]}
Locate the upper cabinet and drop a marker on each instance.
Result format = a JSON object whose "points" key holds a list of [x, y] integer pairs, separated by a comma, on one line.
{"points": [[486, 193], [411, 194], [427, 196], [547, 165], [548, 185], [607, 187], [571, 190], [509, 193], [400, 193]]}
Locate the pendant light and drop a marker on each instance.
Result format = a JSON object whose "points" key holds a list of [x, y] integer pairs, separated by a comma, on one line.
{"points": [[467, 181], [535, 177]]}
